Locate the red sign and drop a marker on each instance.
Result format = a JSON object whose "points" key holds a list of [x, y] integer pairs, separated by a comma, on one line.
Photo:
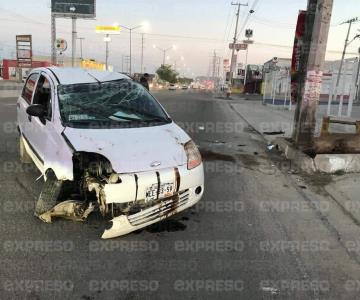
{"points": [[297, 50], [24, 51]]}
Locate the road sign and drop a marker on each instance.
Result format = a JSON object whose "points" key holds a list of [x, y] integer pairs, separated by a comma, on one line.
{"points": [[238, 47], [24, 51], [60, 45], [248, 41], [249, 33], [108, 29], [82, 9]]}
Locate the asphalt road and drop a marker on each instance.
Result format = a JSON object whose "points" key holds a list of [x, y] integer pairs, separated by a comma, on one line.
{"points": [[257, 233]]}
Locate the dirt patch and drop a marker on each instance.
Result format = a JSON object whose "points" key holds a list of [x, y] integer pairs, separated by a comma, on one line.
{"points": [[248, 160], [318, 180], [210, 156]]}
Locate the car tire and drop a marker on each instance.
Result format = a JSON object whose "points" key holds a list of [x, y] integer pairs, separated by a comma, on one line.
{"points": [[24, 156], [49, 194]]}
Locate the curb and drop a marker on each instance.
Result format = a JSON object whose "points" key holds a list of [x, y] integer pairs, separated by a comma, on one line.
{"points": [[323, 163]]}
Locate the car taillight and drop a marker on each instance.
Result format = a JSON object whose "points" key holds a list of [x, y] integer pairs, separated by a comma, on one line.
{"points": [[193, 155]]}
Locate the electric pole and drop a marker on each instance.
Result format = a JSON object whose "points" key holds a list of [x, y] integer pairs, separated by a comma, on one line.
{"points": [[233, 62], [53, 39], [357, 78], [214, 65], [350, 22], [312, 60]]}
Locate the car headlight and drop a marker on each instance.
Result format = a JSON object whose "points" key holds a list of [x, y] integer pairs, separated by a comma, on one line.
{"points": [[193, 155]]}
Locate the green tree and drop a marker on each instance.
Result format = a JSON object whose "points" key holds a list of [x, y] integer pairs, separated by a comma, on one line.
{"points": [[184, 80], [165, 72]]}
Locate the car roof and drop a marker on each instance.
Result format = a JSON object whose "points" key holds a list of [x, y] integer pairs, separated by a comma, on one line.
{"points": [[78, 75]]}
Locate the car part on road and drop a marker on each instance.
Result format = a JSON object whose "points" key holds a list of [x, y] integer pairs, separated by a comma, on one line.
{"points": [[71, 209], [49, 194]]}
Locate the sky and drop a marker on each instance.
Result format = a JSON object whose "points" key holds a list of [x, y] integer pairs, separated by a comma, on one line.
{"points": [[196, 27]]}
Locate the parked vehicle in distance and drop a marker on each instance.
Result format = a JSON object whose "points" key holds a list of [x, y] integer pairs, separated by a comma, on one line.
{"points": [[112, 145], [172, 87], [185, 87]]}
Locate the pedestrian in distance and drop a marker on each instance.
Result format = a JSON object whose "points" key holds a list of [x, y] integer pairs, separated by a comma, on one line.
{"points": [[144, 81]]}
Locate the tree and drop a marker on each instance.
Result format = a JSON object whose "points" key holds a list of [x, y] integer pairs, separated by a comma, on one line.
{"points": [[184, 80], [165, 72]]}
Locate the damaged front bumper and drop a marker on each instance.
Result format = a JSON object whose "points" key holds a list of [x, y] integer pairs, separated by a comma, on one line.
{"points": [[125, 224], [189, 185]]}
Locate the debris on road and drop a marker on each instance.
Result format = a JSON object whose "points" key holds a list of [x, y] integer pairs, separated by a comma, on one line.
{"points": [[273, 132], [70, 209], [270, 146]]}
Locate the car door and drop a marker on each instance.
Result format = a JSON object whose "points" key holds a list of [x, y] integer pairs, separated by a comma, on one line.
{"points": [[42, 129], [24, 101]]}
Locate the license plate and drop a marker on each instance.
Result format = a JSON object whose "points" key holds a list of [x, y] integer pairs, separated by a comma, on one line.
{"points": [[165, 190]]}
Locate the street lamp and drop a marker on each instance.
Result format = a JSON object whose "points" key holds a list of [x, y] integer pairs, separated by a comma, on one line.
{"points": [[173, 47], [130, 31]]}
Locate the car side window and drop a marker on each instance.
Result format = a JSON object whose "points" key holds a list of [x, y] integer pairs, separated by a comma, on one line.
{"points": [[29, 87], [43, 95]]}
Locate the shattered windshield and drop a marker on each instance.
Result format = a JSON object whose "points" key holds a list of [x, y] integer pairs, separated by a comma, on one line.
{"points": [[116, 103]]}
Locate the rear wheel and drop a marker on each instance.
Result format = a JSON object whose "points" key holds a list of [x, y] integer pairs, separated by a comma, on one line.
{"points": [[49, 194], [24, 156]]}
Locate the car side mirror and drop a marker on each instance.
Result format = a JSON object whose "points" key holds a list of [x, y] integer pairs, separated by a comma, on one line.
{"points": [[36, 110]]}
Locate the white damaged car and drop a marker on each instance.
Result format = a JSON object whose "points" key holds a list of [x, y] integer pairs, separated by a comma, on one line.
{"points": [[102, 141]]}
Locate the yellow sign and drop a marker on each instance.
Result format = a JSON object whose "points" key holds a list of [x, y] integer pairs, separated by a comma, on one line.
{"points": [[91, 64], [108, 29]]}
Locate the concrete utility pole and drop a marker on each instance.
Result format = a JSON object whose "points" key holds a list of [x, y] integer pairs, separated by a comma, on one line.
{"points": [[233, 62], [214, 65], [53, 39], [311, 64], [350, 22], [357, 78]]}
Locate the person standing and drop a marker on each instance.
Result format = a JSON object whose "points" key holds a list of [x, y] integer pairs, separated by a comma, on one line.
{"points": [[144, 81]]}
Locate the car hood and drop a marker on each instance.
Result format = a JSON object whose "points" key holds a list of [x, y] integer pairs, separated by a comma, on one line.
{"points": [[133, 150]]}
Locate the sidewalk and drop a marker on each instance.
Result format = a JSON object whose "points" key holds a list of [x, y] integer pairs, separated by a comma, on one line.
{"points": [[269, 120], [9, 89], [344, 189]]}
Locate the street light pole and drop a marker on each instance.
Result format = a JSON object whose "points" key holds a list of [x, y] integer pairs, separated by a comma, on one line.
{"points": [[81, 47], [73, 41], [130, 31], [164, 51], [238, 4], [130, 69], [142, 53], [107, 40]]}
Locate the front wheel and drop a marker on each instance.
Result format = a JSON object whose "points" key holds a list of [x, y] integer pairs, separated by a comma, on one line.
{"points": [[49, 194]]}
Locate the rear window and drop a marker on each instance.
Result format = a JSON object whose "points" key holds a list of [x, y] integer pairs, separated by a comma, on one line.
{"points": [[29, 87]]}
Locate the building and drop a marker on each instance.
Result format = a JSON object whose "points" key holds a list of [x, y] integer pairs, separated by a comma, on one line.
{"points": [[10, 71], [276, 86]]}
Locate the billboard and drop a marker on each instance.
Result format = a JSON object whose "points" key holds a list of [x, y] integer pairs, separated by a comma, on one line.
{"points": [[238, 47], [108, 29], [24, 51], [84, 9]]}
